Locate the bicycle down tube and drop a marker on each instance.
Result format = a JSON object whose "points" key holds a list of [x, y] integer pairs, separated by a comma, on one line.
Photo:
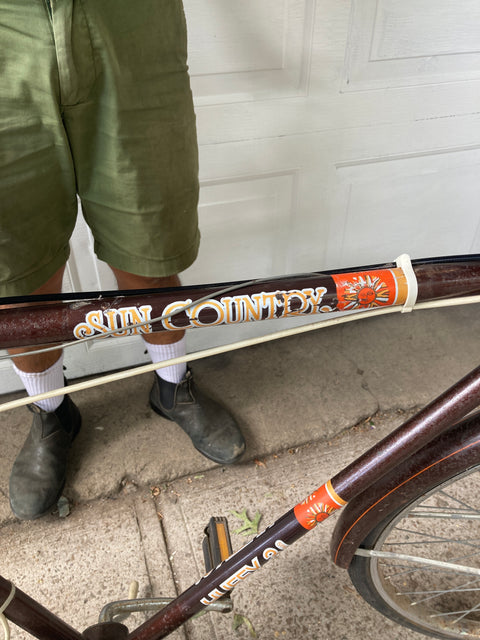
{"points": [[451, 406]]}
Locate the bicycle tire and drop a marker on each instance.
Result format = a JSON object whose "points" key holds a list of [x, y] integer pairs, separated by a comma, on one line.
{"points": [[437, 601]]}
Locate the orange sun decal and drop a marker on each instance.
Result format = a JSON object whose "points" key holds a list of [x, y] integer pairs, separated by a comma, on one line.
{"points": [[317, 513], [318, 506], [365, 290]]}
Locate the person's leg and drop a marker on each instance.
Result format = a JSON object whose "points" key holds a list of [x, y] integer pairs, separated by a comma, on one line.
{"points": [[39, 208], [38, 473], [161, 345], [42, 372], [212, 429], [134, 147]]}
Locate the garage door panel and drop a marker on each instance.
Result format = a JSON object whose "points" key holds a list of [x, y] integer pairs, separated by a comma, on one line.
{"points": [[423, 206], [246, 224], [249, 50], [395, 43]]}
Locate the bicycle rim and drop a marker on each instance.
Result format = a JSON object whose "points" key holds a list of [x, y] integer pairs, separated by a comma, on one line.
{"points": [[426, 575]]}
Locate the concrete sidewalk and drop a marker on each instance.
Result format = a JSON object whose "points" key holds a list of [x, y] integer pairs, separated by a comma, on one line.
{"points": [[141, 495]]}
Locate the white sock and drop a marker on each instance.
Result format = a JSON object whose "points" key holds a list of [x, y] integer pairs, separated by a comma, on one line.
{"points": [[160, 352], [51, 378]]}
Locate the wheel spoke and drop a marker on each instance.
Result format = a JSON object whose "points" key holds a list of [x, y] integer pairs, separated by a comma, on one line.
{"points": [[424, 562], [437, 593], [429, 562]]}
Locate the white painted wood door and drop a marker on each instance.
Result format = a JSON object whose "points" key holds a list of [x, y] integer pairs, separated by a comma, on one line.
{"points": [[332, 133]]}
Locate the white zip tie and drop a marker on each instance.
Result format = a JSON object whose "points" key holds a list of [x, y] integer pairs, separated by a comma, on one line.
{"points": [[3, 619], [404, 262]]}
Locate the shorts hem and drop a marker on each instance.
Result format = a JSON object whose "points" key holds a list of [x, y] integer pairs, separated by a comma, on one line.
{"points": [[26, 285], [150, 268]]}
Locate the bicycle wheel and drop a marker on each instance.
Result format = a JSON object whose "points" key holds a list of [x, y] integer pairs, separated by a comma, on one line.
{"points": [[421, 565]]}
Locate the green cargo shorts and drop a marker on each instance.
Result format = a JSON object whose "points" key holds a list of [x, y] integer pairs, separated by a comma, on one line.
{"points": [[95, 100]]}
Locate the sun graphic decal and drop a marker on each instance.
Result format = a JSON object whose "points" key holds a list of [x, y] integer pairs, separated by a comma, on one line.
{"points": [[318, 506], [365, 290], [317, 513]]}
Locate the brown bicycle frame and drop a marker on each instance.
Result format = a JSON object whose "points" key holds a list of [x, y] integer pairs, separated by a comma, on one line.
{"points": [[356, 478], [71, 317]]}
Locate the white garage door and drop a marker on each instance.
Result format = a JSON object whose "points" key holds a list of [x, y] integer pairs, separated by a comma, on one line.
{"points": [[332, 133]]}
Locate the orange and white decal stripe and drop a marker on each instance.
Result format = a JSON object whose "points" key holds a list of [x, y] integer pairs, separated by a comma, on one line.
{"points": [[318, 506]]}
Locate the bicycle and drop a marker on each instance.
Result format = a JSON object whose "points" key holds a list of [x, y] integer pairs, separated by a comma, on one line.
{"points": [[404, 474]]}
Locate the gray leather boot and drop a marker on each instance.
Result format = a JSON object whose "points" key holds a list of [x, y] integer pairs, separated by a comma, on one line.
{"points": [[38, 473], [213, 431]]}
